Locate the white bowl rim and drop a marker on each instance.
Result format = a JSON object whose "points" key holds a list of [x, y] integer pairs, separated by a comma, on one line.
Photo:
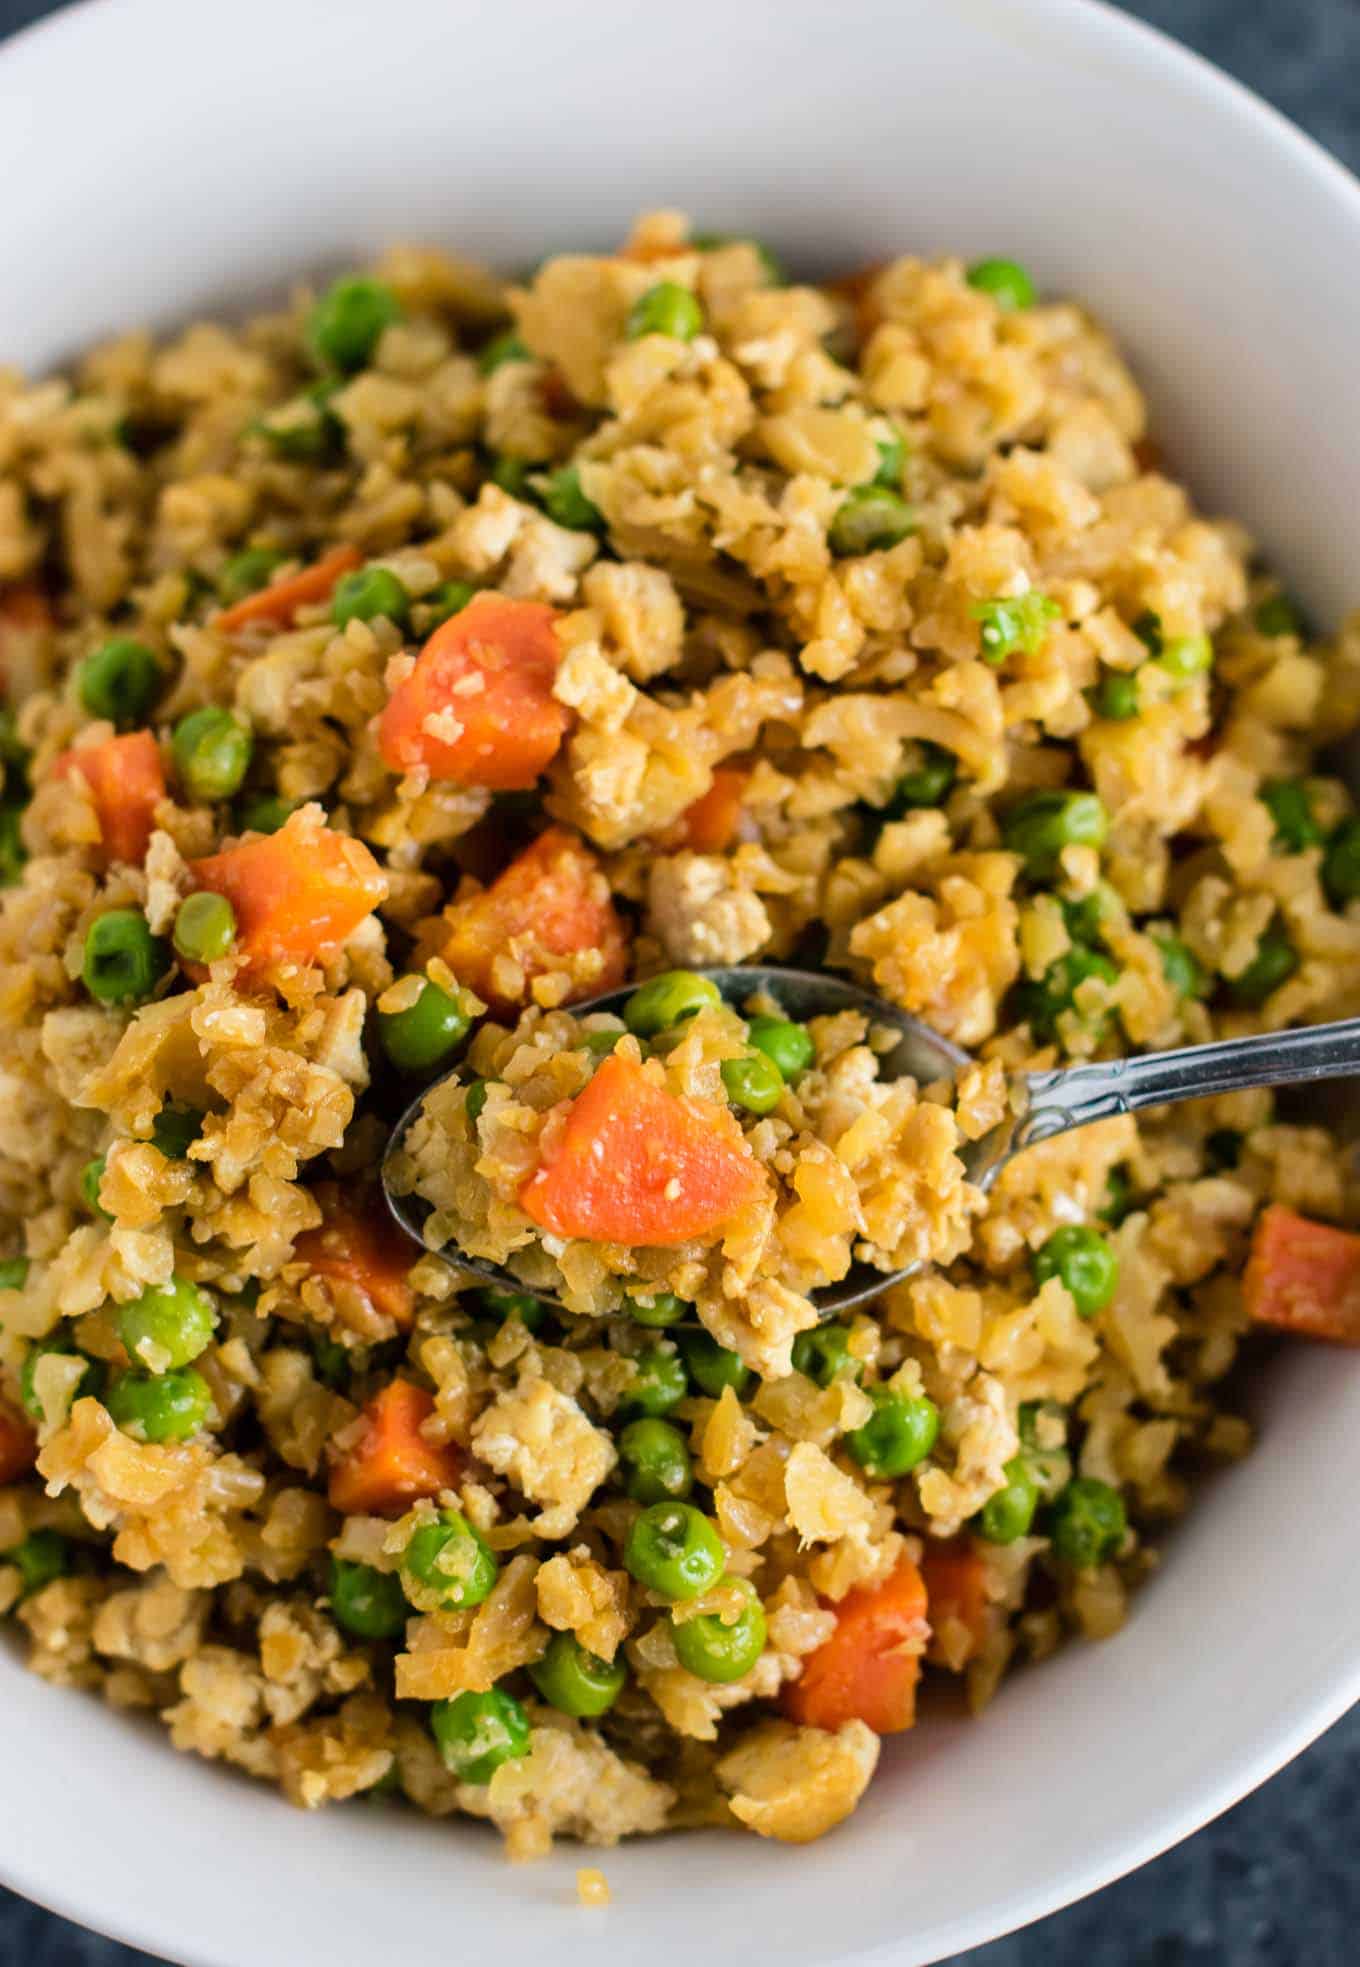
{"points": [[45, 1878]]}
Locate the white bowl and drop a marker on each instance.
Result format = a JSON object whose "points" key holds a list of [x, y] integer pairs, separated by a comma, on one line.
{"points": [[161, 158]]}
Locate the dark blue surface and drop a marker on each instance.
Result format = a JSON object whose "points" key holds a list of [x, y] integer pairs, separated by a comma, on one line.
{"points": [[1275, 1883]]}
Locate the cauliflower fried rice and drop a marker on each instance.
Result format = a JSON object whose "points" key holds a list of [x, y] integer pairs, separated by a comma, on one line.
{"points": [[389, 674]]}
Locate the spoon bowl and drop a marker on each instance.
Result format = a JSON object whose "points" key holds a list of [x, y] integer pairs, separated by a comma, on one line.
{"points": [[1040, 1105]]}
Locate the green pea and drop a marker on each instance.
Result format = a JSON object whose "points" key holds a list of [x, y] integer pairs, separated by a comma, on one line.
{"points": [[1186, 656], [345, 326], [1008, 283], [824, 1354], [175, 1129], [1014, 623], [476, 1733], [91, 1176], [370, 592], [307, 430], [709, 242], [1296, 825], [1040, 1003], [475, 1099], [1118, 1198], [169, 1325], [212, 751], [448, 599], [43, 1556], [502, 348], [898, 1434], [788, 1046], [892, 461], [160, 1406], [1085, 1263], [1089, 1523], [655, 1462], [368, 1603], [926, 782], [1341, 864], [426, 1033], [869, 519], [1180, 967], [1008, 1514], [1223, 1149], [672, 1548], [501, 1305], [120, 681], [658, 1382], [566, 504], [1041, 826], [205, 927], [1088, 916], [263, 812], [13, 1273], [13, 852], [656, 1307], [576, 1682], [1116, 695], [452, 1560], [712, 1366], [1274, 963], [512, 475], [1277, 615], [714, 1649], [90, 1384], [668, 1000], [666, 309], [246, 573], [753, 1083], [123, 961]]}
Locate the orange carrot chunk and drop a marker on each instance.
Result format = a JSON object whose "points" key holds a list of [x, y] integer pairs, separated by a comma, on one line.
{"points": [[478, 707], [392, 1465], [298, 893], [956, 1591], [279, 602], [126, 783], [709, 826], [867, 1670], [362, 1249], [1303, 1276], [549, 910], [633, 1164], [18, 1446]]}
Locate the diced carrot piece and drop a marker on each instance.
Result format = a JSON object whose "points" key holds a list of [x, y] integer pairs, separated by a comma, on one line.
{"points": [[126, 783], [280, 601], [956, 1591], [867, 1670], [479, 707], [709, 826], [549, 910], [18, 1446], [392, 1465], [634, 1164], [298, 893], [362, 1248], [1303, 1276]]}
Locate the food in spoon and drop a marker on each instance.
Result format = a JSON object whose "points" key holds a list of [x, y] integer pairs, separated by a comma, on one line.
{"points": [[388, 676]]}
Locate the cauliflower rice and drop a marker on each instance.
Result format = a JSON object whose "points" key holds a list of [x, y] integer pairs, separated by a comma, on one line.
{"points": [[840, 579]]}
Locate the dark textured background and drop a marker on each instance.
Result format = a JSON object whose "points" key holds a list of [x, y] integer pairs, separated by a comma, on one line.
{"points": [[1276, 1882]]}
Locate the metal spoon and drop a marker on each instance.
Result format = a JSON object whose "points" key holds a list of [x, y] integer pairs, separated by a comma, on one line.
{"points": [[1042, 1103]]}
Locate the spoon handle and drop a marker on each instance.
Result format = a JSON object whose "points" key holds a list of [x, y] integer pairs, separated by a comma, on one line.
{"points": [[1072, 1096]]}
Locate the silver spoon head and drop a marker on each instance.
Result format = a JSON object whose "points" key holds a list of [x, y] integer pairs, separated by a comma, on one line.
{"points": [[919, 1053]]}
